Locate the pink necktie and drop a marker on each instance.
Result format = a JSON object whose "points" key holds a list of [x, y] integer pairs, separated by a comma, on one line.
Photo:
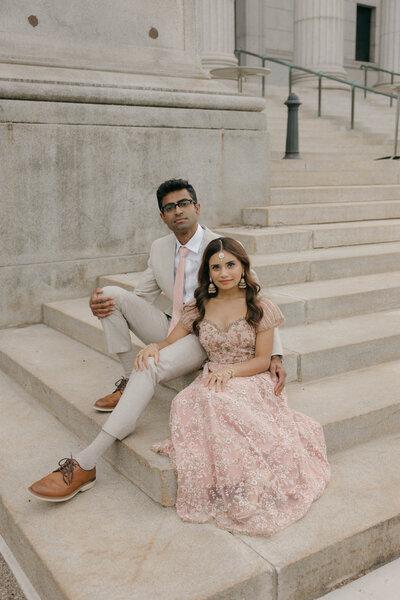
{"points": [[178, 289]]}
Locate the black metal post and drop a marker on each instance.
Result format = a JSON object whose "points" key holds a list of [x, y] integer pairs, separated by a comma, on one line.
{"points": [[391, 83], [365, 82], [292, 132], [319, 95], [353, 95], [263, 81]]}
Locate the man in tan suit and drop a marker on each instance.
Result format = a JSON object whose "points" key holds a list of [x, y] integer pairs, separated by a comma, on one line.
{"points": [[121, 311]]}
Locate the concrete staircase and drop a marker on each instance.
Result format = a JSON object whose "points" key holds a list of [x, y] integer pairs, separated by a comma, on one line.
{"points": [[326, 247]]}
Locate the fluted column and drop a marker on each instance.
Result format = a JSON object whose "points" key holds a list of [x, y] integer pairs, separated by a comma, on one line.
{"points": [[217, 33], [389, 39], [319, 37]]}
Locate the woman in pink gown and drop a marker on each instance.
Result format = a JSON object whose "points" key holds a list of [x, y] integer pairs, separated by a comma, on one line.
{"points": [[243, 458]]}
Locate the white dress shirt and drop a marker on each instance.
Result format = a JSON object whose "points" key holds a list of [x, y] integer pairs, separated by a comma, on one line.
{"points": [[192, 262]]}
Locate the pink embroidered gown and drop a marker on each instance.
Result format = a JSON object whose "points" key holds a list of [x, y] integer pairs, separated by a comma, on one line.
{"points": [[243, 458]]}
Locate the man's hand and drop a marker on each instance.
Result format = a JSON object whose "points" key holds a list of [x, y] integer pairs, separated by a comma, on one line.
{"points": [[101, 307], [278, 374]]}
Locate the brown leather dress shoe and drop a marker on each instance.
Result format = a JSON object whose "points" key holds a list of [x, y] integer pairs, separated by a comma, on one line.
{"points": [[64, 483], [108, 403]]}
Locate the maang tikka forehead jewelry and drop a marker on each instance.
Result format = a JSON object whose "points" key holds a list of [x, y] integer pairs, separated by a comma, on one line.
{"points": [[221, 256]]}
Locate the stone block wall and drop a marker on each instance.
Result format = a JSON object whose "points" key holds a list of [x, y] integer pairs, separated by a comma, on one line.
{"points": [[78, 182]]}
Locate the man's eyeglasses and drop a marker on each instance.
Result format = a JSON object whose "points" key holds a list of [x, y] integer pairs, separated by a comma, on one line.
{"points": [[171, 206]]}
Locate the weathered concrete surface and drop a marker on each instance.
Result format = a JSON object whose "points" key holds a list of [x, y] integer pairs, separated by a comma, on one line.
{"points": [[264, 240], [79, 199], [115, 541], [384, 582], [333, 193], [353, 407], [334, 298], [325, 263], [340, 345], [104, 37], [304, 214]]}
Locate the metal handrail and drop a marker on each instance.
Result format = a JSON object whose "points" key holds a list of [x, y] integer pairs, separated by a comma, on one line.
{"points": [[367, 68], [320, 76]]}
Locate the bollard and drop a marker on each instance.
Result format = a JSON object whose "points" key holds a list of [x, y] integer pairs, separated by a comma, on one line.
{"points": [[292, 132]]}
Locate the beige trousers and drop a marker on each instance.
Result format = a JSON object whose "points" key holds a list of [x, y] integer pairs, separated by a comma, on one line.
{"points": [[150, 325]]}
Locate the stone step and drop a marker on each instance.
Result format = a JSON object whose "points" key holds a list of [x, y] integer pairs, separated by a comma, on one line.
{"points": [[336, 298], [260, 240], [351, 528], [336, 346], [302, 178], [326, 400], [328, 139], [309, 265], [307, 214], [355, 521], [112, 541], [353, 407], [55, 370], [328, 161], [360, 155], [366, 149], [326, 263], [73, 318], [333, 194]]}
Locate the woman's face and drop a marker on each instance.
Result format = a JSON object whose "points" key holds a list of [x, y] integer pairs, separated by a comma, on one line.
{"points": [[225, 270]]}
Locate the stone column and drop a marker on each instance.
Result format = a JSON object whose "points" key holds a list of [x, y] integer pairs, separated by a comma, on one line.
{"points": [[319, 37], [217, 33], [389, 39]]}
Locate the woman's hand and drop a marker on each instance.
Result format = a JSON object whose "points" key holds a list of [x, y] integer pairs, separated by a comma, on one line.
{"points": [[144, 354], [219, 378]]}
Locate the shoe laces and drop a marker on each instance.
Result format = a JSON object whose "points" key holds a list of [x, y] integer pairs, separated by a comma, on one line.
{"points": [[66, 467], [120, 385]]}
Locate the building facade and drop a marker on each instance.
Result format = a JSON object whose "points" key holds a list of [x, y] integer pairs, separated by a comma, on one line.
{"points": [[334, 36]]}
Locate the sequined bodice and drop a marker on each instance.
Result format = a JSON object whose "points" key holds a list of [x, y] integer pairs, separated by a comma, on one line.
{"points": [[235, 343]]}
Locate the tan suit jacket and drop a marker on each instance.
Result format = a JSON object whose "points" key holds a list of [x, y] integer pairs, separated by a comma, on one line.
{"points": [[159, 275]]}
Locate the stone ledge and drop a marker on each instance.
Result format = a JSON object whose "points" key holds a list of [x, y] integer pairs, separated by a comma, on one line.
{"points": [[75, 113]]}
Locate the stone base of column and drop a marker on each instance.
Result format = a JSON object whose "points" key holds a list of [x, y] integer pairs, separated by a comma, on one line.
{"points": [[214, 60], [311, 81]]}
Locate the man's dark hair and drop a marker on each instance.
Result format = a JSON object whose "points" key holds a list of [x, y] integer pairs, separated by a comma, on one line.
{"points": [[174, 185]]}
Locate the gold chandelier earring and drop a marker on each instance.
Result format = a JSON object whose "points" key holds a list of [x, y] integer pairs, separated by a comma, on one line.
{"points": [[211, 288], [242, 285]]}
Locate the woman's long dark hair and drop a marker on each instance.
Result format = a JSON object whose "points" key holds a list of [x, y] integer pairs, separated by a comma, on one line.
{"points": [[254, 311]]}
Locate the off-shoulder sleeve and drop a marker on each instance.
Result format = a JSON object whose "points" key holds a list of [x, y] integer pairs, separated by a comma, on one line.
{"points": [[272, 316], [189, 314]]}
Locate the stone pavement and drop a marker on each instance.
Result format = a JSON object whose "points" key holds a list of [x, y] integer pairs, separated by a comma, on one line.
{"points": [[9, 588]]}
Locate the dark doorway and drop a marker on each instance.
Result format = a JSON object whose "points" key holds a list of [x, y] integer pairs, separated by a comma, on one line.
{"points": [[363, 33]]}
